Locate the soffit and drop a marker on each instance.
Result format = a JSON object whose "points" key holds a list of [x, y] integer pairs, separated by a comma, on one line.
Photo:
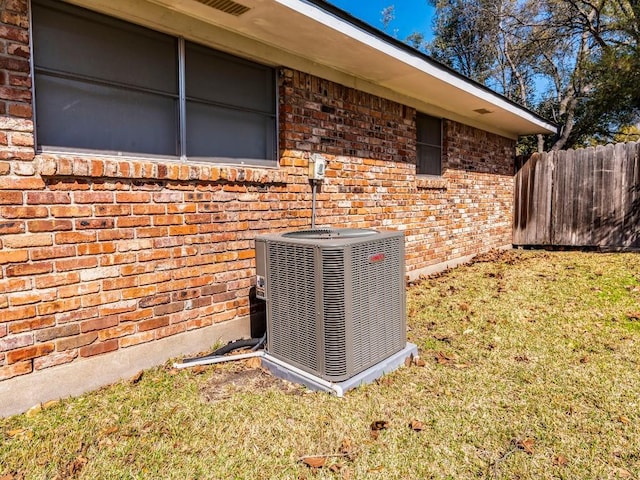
{"points": [[301, 35]]}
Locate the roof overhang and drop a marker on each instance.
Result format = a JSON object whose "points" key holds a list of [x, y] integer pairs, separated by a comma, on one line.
{"points": [[314, 37]]}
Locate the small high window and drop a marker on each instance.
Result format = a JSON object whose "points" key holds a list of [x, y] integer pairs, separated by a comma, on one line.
{"points": [[428, 145], [103, 84]]}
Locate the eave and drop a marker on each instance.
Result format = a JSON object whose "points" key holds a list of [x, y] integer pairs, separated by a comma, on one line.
{"points": [[314, 37]]}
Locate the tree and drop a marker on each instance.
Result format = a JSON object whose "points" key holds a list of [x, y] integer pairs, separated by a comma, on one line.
{"points": [[554, 56]]}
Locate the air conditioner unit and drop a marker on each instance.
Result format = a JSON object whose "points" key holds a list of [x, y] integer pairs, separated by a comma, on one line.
{"points": [[335, 299]]}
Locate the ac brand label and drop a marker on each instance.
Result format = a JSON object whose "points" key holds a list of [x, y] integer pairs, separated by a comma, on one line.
{"points": [[376, 257]]}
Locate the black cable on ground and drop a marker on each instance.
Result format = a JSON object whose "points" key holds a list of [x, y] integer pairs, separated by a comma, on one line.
{"points": [[230, 347]]}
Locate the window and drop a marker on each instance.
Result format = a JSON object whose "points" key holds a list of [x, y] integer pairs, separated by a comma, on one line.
{"points": [[105, 84], [428, 145]]}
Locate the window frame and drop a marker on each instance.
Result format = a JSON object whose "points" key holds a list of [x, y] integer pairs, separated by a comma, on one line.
{"points": [[420, 144], [271, 137]]}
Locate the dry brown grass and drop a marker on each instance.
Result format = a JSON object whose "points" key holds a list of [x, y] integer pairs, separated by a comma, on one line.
{"points": [[532, 367]]}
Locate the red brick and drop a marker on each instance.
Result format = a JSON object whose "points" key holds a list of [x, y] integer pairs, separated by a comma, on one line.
{"points": [[59, 306], [77, 315], [93, 223], [20, 110], [21, 183], [117, 332], [28, 353], [136, 315], [183, 230], [100, 299], [118, 307], [153, 324], [156, 254], [30, 297], [14, 342], [27, 240], [13, 64], [25, 269], [31, 324], [93, 197], [168, 220], [70, 211], [168, 308], [139, 292], [149, 209], [137, 339], [133, 197], [10, 371], [57, 279], [96, 248], [53, 252], [116, 234], [181, 208], [22, 139], [168, 197], [24, 212], [98, 323], [170, 330], [76, 264], [15, 285], [125, 222], [49, 225], [112, 210], [151, 232], [18, 6], [98, 348], [85, 288], [21, 80], [75, 237], [13, 256], [53, 359], [57, 332], [47, 198], [10, 198], [76, 341]]}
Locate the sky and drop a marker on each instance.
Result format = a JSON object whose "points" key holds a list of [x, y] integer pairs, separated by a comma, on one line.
{"points": [[410, 15]]}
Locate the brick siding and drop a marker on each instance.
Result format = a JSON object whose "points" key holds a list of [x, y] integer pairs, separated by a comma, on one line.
{"points": [[100, 254]]}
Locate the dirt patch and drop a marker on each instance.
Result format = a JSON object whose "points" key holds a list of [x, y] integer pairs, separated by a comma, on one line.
{"points": [[227, 383]]}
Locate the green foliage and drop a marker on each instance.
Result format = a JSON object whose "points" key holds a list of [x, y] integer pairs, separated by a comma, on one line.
{"points": [[575, 62]]}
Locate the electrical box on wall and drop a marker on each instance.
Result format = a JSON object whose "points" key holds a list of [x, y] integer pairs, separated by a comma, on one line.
{"points": [[317, 166]]}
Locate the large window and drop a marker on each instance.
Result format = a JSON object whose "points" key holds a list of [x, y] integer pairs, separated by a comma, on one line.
{"points": [[428, 145], [103, 84]]}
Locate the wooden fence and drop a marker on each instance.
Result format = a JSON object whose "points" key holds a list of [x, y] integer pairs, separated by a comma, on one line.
{"points": [[580, 198]]}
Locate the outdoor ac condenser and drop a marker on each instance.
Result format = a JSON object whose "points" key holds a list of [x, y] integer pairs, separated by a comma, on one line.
{"points": [[335, 299]]}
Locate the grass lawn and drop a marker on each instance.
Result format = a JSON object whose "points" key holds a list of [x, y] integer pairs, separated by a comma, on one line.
{"points": [[531, 370]]}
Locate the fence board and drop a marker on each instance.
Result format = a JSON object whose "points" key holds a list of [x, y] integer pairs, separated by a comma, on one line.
{"points": [[585, 197]]}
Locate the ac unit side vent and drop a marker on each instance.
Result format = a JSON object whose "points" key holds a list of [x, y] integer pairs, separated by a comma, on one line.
{"points": [[377, 328], [297, 340], [226, 6], [334, 312]]}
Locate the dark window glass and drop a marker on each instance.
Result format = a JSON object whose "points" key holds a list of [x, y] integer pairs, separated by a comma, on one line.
{"points": [[213, 76], [76, 114], [105, 84], [230, 106], [428, 145], [78, 42]]}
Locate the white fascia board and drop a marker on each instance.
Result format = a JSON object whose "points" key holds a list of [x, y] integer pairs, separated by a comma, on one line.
{"points": [[331, 21]]}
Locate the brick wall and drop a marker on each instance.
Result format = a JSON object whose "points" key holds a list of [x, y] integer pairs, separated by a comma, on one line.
{"points": [[102, 254]]}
